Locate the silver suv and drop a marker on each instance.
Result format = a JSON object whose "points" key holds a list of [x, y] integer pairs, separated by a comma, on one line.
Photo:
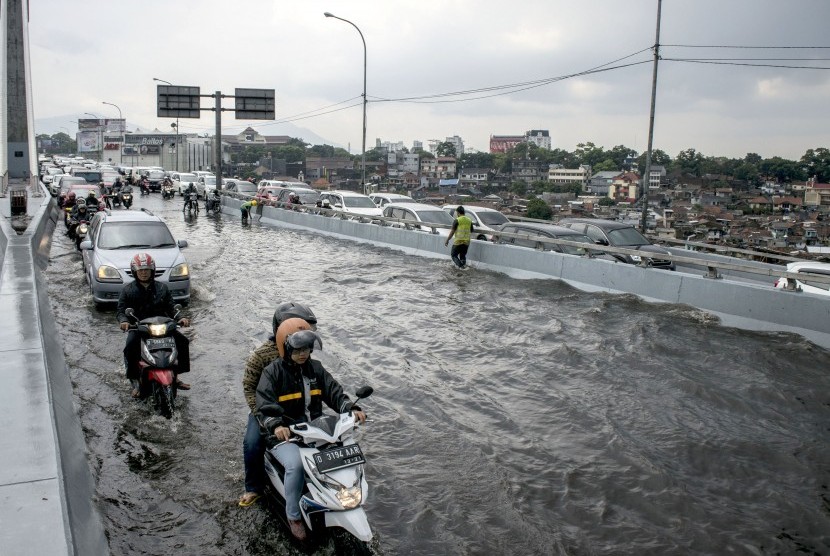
{"points": [[114, 238]]}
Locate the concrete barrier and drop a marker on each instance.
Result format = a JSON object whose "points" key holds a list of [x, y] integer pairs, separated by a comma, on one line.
{"points": [[738, 304], [46, 488]]}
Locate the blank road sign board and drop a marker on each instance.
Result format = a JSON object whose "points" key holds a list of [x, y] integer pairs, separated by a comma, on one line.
{"points": [[254, 104], [175, 101]]}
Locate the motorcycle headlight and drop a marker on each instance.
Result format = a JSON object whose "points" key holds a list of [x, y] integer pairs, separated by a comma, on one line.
{"points": [[108, 274], [636, 258], [82, 228], [157, 329], [350, 497], [180, 272]]}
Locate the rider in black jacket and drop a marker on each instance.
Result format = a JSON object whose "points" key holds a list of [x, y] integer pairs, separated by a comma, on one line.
{"points": [[149, 298]]}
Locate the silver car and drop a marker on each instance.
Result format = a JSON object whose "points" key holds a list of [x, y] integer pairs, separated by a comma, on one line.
{"points": [[114, 239]]}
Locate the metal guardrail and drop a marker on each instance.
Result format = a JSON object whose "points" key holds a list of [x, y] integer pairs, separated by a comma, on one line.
{"points": [[711, 266]]}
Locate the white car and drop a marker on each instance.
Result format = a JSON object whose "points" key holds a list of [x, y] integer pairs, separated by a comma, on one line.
{"points": [[807, 269], [383, 199], [349, 201], [181, 180], [419, 216], [484, 219]]}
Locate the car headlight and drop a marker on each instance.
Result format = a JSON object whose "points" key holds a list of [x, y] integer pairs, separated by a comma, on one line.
{"points": [[157, 329], [108, 274], [636, 258], [180, 272]]}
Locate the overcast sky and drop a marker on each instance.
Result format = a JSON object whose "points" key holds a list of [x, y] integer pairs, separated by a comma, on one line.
{"points": [[84, 52]]}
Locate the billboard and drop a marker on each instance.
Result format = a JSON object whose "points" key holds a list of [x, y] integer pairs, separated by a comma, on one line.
{"points": [[87, 141], [174, 101], [92, 124], [254, 104], [144, 144]]}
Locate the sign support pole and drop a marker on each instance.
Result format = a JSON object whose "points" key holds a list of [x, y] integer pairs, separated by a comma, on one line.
{"points": [[218, 97]]}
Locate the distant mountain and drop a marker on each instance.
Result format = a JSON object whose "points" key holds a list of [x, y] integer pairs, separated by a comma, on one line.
{"points": [[66, 124]]}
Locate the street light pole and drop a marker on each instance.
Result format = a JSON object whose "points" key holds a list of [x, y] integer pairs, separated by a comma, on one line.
{"points": [[120, 118], [177, 126], [363, 155]]}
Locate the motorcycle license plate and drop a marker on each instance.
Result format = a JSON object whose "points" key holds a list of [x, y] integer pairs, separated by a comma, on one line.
{"points": [[160, 343], [338, 458]]}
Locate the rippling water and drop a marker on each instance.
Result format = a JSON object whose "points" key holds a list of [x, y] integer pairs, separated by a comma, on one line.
{"points": [[510, 416]]}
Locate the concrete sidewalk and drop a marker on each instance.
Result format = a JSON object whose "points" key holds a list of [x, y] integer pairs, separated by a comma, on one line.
{"points": [[46, 488]]}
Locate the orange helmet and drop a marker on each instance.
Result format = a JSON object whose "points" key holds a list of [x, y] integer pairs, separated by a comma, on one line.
{"points": [[295, 333]]}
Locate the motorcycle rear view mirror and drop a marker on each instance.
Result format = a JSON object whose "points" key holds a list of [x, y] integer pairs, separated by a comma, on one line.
{"points": [[364, 392], [130, 313], [177, 308]]}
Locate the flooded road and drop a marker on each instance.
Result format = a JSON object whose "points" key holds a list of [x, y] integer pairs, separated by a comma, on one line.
{"points": [[509, 416]]}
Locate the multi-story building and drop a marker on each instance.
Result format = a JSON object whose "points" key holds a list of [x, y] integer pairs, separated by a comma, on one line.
{"points": [[624, 187], [568, 176], [601, 182], [438, 168], [539, 137], [655, 177], [503, 143], [529, 171], [474, 177], [817, 195], [456, 142]]}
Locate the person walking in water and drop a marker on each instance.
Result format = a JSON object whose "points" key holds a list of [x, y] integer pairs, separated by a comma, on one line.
{"points": [[462, 228]]}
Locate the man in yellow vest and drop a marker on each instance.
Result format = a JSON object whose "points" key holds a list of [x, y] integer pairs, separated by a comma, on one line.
{"points": [[462, 228]]}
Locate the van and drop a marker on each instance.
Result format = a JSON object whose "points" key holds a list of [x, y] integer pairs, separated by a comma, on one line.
{"points": [[91, 176]]}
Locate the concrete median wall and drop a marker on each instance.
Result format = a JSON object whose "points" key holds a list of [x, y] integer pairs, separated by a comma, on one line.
{"points": [[46, 487], [738, 304]]}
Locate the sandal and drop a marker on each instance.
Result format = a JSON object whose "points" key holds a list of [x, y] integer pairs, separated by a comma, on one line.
{"points": [[249, 499]]}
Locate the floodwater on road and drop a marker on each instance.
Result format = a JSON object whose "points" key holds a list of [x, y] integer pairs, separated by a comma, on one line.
{"points": [[509, 416]]}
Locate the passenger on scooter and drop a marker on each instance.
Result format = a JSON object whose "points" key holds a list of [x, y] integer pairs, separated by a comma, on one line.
{"points": [[79, 212], [299, 385], [253, 445], [149, 298]]}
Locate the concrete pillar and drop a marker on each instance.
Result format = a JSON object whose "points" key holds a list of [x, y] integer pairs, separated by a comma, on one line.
{"points": [[19, 134]]}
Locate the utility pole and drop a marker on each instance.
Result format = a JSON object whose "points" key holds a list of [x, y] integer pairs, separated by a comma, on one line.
{"points": [[647, 172]]}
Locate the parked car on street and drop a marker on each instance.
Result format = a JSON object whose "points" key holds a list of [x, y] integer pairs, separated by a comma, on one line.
{"points": [[240, 186], [545, 231], [306, 196], [206, 184], [349, 201], [619, 234], [484, 219], [419, 216], [114, 238], [182, 179], [806, 270], [268, 194], [383, 199]]}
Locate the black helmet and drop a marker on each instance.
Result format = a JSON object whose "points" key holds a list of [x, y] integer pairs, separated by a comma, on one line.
{"points": [[289, 310]]}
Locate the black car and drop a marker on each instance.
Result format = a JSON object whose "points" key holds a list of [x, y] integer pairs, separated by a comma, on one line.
{"points": [[545, 231], [618, 234]]}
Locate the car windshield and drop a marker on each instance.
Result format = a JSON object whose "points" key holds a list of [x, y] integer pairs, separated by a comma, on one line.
{"points": [[246, 187], [492, 218], [210, 180], [359, 202], [308, 197], [188, 177], [155, 175], [627, 236], [123, 235], [436, 216]]}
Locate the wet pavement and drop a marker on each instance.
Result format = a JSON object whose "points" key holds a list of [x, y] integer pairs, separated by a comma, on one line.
{"points": [[509, 416]]}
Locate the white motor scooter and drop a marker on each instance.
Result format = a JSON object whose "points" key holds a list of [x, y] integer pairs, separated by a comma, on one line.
{"points": [[335, 484]]}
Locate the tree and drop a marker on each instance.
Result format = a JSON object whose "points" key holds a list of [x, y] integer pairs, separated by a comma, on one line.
{"points": [[689, 162], [476, 160], [658, 158], [537, 208], [747, 172], [753, 158], [518, 188], [445, 149], [782, 170], [590, 154], [817, 162], [606, 165], [607, 202]]}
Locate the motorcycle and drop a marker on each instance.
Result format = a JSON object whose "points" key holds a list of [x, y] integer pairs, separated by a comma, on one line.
{"points": [[80, 233], [167, 191], [157, 381], [335, 484], [125, 198], [213, 203], [144, 186], [191, 202]]}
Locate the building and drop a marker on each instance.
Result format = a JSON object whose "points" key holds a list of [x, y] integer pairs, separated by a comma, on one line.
{"points": [[529, 171], [601, 182], [456, 142], [474, 177], [503, 143], [624, 187], [438, 168], [539, 137], [569, 176], [333, 169], [817, 195], [656, 174], [176, 152]]}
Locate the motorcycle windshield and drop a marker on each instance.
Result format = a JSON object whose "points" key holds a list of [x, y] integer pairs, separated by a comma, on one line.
{"points": [[325, 423]]}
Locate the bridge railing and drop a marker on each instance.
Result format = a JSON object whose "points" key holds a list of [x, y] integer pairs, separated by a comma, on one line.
{"points": [[712, 267]]}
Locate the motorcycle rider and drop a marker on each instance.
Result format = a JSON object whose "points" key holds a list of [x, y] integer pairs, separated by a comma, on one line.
{"points": [[144, 184], [253, 445], [149, 298], [214, 200], [191, 190], [79, 212], [106, 193], [299, 385]]}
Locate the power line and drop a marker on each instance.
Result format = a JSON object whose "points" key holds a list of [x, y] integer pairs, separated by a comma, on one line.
{"points": [[698, 61], [748, 47]]}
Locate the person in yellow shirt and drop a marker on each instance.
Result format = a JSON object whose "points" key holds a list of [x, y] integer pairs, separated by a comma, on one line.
{"points": [[462, 229]]}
